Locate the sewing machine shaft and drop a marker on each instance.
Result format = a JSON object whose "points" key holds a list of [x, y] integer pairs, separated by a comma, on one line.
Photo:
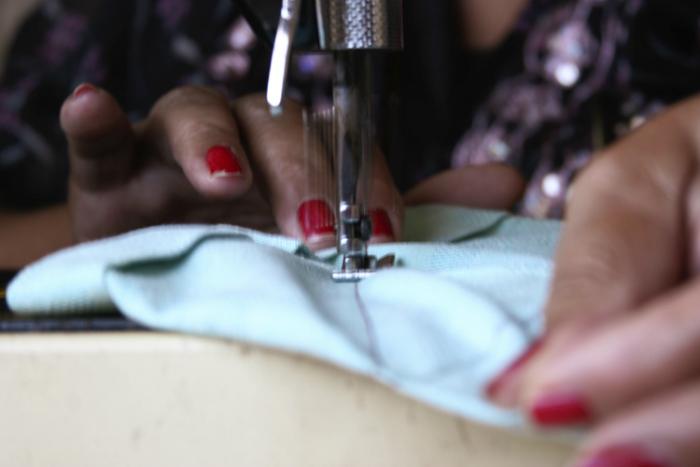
{"points": [[352, 30], [354, 141]]}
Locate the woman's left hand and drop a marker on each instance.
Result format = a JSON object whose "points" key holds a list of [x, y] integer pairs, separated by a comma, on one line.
{"points": [[622, 348]]}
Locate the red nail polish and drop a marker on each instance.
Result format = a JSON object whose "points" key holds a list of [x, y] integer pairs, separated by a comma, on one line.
{"points": [[316, 218], [560, 409], [623, 456], [506, 375], [222, 162], [83, 89], [381, 224]]}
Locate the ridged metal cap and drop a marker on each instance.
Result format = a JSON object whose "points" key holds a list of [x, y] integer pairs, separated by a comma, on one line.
{"points": [[360, 24]]}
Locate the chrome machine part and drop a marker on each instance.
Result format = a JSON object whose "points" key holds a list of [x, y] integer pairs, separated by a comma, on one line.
{"points": [[360, 24], [354, 145], [351, 30], [282, 53]]}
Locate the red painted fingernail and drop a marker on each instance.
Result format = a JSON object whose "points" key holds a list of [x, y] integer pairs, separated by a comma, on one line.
{"points": [[316, 218], [623, 456], [560, 409], [84, 89], [381, 224], [500, 381], [222, 162]]}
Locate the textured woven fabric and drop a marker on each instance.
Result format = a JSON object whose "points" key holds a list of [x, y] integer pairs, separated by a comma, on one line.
{"points": [[463, 303]]}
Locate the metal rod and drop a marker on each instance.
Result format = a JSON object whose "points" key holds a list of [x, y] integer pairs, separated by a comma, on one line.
{"points": [[354, 128]]}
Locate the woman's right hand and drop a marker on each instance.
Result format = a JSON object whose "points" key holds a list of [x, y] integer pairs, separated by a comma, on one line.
{"points": [[198, 158]]}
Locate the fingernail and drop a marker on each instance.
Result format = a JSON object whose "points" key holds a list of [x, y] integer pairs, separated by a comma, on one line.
{"points": [[316, 219], [381, 224], [560, 409], [500, 382], [84, 89], [222, 162], [623, 456]]}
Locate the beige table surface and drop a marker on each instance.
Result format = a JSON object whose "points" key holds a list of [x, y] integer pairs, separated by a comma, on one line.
{"points": [[148, 399]]}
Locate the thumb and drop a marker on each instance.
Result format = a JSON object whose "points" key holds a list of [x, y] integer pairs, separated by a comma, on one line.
{"points": [[625, 240], [100, 138]]}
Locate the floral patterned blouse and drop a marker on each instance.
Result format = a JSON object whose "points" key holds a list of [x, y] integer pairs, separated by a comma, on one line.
{"points": [[573, 76]]}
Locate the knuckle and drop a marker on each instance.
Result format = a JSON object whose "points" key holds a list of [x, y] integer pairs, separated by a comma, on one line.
{"points": [[252, 101], [187, 95], [161, 205], [192, 130], [605, 174], [583, 285], [601, 263], [252, 106], [255, 106], [627, 174]]}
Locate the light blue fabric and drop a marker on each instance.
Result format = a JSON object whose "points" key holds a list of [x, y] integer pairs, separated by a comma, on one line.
{"points": [[465, 301]]}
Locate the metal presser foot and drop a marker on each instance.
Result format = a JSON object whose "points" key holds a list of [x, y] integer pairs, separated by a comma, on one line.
{"points": [[354, 232], [357, 268]]}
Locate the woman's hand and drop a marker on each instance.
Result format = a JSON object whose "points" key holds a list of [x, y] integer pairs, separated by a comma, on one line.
{"points": [[494, 186], [197, 158], [27, 236], [622, 350]]}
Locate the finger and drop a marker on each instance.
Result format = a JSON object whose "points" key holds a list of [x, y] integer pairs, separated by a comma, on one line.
{"points": [[495, 186], [624, 238], [663, 431], [299, 181], [194, 127], [592, 374], [386, 203], [298, 187], [100, 138]]}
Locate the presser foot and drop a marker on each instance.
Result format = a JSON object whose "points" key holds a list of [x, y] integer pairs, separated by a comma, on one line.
{"points": [[358, 267]]}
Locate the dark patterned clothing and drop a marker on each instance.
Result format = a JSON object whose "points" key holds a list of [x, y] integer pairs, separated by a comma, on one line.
{"points": [[573, 76], [588, 72]]}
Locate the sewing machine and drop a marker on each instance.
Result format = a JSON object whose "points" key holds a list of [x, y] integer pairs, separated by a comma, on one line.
{"points": [[353, 31], [99, 390]]}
